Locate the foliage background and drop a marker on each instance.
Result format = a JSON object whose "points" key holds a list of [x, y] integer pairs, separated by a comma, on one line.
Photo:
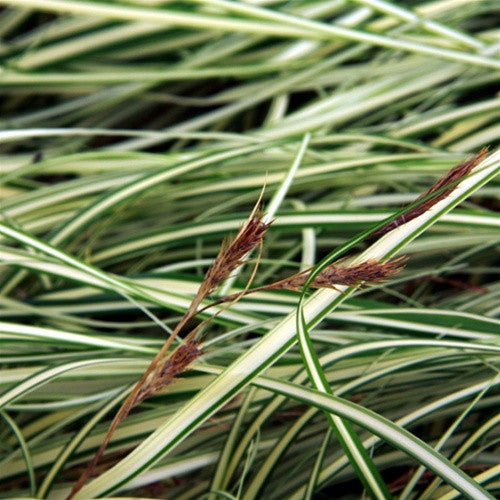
{"points": [[136, 135]]}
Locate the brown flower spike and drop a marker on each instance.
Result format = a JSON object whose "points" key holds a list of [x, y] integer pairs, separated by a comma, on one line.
{"points": [[370, 271], [336, 274], [166, 372], [450, 179], [231, 254]]}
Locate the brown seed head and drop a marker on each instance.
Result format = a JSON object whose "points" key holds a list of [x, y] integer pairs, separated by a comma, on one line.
{"points": [[338, 274], [166, 372], [231, 254], [450, 179]]}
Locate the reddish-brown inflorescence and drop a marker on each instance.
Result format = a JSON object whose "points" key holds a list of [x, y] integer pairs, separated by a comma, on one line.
{"points": [[349, 275], [167, 370], [450, 179], [231, 255], [336, 274]]}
